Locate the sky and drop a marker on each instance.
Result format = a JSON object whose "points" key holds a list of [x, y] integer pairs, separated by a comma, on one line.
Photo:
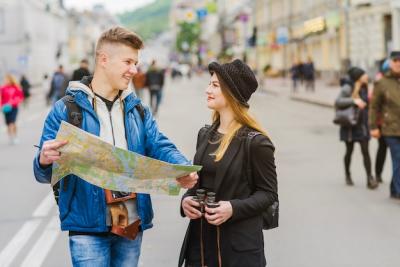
{"points": [[114, 6]]}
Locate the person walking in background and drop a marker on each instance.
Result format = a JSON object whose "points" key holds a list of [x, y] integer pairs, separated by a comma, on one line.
{"points": [[230, 234], [26, 87], [309, 75], [11, 96], [354, 92], [386, 104], [82, 71], [295, 73], [139, 82], [382, 147], [58, 84], [155, 82]]}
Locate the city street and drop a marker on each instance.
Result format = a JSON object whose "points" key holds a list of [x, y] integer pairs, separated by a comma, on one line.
{"points": [[323, 223]]}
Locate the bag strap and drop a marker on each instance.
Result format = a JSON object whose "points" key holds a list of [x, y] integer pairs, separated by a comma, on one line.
{"points": [[249, 175], [73, 110], [139, 107]]}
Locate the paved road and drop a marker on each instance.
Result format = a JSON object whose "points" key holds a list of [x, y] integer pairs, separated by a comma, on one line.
{"points": [[323, 222]]}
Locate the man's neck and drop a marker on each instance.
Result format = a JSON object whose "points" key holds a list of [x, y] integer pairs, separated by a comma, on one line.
{"points": [[103, 88]]}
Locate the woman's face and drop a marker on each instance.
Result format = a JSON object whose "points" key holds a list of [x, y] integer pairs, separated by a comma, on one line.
{"points": [[215, 98]]}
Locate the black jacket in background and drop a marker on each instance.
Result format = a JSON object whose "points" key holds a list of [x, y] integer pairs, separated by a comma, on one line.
{"points": [[242, 242], [79, 74]]}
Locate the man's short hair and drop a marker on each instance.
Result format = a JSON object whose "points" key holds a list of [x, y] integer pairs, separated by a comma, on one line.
{"points": [[119, 35]]}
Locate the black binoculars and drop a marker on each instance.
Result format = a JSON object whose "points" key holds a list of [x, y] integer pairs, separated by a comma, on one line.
{"points": [[205, 198]]}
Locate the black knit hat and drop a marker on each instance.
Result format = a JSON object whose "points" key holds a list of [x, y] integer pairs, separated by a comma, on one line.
{"points": [[239, 77], [355, 73]]}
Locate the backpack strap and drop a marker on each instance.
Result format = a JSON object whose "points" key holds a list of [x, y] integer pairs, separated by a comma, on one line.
{"points": [[74, 111], [139, 107]]}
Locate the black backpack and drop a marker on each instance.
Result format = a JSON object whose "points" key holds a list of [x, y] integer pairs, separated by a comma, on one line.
{"points": [[75, 118]]}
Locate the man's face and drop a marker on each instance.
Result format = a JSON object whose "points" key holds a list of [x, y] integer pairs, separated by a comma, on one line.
{"points": [[395, 65], [119, 64]]}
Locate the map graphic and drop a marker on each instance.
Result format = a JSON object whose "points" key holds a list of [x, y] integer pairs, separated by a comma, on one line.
{"points": [[113, 168]]}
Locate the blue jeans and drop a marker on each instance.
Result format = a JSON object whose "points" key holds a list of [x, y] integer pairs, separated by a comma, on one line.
{"points": [[393, 142], [104, 251]]}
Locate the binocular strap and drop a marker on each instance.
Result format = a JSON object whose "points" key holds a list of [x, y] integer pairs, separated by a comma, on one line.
{"points": [[202, 244]]}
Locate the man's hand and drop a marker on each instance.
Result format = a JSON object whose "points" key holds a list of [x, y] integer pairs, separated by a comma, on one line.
{"points": [[50, 153], [360, 103], [217, 216], [188, 181], [189, 208], [376, 133]]}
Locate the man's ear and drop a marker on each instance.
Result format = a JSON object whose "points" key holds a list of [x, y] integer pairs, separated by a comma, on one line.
{"points": [[102, 58]]}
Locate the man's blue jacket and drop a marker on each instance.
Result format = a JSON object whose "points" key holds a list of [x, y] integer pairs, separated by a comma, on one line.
{"points": [[82, 206]]}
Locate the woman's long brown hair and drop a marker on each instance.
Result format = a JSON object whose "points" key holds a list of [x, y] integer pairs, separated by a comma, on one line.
{"points": [[242, 117]]}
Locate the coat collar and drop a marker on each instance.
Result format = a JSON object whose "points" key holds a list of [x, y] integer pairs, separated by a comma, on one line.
{"points": [[226, 160]]}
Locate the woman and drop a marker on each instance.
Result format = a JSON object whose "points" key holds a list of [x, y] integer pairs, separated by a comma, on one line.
{"points": [[231, 234], [354, 92], [11, 96]]}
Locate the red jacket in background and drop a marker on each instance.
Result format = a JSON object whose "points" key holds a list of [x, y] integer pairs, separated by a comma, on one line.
{"points": [[11, 94]]}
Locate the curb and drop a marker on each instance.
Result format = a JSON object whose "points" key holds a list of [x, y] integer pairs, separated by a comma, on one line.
{"points": [[312, 101]]}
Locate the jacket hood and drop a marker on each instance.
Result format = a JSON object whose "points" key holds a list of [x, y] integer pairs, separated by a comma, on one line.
{"points": [[83, 86]]}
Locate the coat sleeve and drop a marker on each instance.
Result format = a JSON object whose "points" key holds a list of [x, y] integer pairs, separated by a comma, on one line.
{"points": [[50, 129], [264, 179], [158, 145], [375, 107], [344, 100]]}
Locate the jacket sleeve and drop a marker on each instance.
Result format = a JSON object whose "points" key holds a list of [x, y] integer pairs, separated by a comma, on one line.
{"points": [[50, 129], [158, 145], [375, 107], [264, 179], [344, 100]]}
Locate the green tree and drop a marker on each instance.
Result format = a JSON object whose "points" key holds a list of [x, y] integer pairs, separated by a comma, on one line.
{"points": [[188, 37]]}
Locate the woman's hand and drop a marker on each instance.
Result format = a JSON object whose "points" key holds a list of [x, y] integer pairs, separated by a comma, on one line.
{"points": [[189, 208], [360, 103], [217, 216]]}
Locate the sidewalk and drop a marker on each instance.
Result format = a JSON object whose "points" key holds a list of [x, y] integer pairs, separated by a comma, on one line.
{"points": [[324, 95]]}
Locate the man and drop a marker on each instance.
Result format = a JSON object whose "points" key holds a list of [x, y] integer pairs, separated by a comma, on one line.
{"points": [[110, 112], [58, 85], [82, 71], [155, 83], [386, 101], [139, 82]]}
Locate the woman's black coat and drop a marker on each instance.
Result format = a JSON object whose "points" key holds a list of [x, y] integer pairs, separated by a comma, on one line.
{"points": [[242, 237], [360, 131]]}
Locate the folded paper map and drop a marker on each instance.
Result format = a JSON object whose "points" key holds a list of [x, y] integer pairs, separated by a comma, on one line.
{"points": [[113, 168]]}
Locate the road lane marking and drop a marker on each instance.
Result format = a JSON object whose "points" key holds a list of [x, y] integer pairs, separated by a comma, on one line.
{"points": [[42, 247], [8, 254]]}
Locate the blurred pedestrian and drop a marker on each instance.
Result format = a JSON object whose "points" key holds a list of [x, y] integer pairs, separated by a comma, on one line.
{"points": [[295, 73], [59, 83], [155, 83], [308, 72], [230, 234], [382, 147], [82, 71], [386, 104], [26, 87], [354, 92], [11, 96], [139, 82]]}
